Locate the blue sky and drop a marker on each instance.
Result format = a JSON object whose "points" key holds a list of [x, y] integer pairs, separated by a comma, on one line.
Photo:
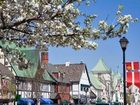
{"points": [[110, 49]]}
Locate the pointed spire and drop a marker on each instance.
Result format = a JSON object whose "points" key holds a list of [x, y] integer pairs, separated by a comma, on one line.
{"points": [[101, 67]]}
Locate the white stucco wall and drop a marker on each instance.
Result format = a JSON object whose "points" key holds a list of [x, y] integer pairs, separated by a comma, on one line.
{"points": [[46, 89], [28, 86], [84, 80], [74, 89], [107, 77]]}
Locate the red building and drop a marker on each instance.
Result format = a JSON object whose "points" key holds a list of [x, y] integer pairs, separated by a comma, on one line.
{"points": [[63, 85]]}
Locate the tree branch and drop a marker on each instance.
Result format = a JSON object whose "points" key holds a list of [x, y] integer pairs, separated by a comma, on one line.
{"points": [[24, 21], [68, 2], [68, 35], [19, 23], [63, 6], [23, 31], [109, 31]]}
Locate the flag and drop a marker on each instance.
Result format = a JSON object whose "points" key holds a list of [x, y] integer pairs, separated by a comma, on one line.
{"points": [[136, 65], [133, 75], [132, 65], [137, 79], [128, 66], [129, 78]]}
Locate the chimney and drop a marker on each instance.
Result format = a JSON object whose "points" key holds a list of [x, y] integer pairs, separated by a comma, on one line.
{"points": [[44, 57], [67, 64], [81, 62]]}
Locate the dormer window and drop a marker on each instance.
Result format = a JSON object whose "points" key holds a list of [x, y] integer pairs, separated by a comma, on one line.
{"points": [[56, 74], [61, 75]]}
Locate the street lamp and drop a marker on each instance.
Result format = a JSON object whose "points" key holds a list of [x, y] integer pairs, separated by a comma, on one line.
{"points": [[123, 43]]}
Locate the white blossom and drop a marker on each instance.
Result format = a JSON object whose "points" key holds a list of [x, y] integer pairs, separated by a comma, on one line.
{"points": [[56, 23], [59, 8], [95, 32], [47, 7], [119, 12], [77, 11], [69, 7], [78, 28], [125, 19], [102, 24], [20, 18], [94, 44]]}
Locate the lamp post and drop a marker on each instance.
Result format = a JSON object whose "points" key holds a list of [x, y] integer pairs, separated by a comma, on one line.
{"points": [[123, 43]]}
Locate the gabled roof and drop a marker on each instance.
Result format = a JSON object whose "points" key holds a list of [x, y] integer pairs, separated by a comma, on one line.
{"points": [[33, 70], [53, 69], [95, 81], [33, 56], [30, 53], [43, 75], [101, 67], [73, 72], [48, 77]]}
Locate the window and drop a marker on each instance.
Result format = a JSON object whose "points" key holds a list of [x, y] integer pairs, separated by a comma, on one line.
{"points": [[84, 87], [81, 88], [44, 87]]}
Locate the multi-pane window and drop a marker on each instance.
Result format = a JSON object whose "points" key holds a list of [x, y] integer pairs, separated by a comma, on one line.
{"points": [[44, 87], [84, 87]]}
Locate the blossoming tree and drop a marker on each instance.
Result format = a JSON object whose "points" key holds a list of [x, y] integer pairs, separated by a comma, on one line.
{"points": [[44, 23]]}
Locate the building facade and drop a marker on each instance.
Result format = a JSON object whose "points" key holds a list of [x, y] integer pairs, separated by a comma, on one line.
{"points": [[106, 84], [77, 75]]}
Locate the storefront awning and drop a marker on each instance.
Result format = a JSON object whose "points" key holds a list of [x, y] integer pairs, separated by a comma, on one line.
{"points": [[25, 101], [92, 94], [84, 85], [46, 101]]}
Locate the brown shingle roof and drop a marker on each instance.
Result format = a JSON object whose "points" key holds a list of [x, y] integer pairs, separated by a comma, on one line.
{"points": [[4, 71], [51, 69], [73, 72]]}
